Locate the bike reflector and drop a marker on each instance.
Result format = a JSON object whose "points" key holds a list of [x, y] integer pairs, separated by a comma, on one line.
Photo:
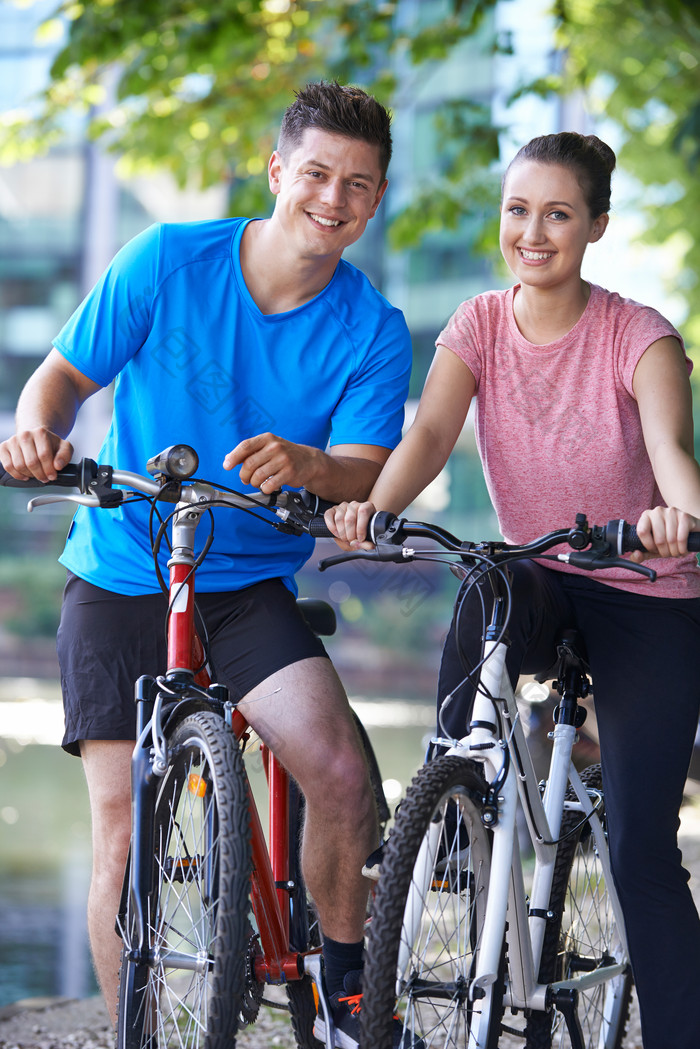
{"points": [[197, 785]]}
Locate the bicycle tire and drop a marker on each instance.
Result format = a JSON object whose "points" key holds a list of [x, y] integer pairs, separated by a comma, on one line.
{"points": [[584, 933], [423, 975], [199, 901], [375, 776]]}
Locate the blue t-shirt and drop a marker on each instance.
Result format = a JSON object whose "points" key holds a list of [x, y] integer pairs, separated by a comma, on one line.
{"points": [[196, 362]]}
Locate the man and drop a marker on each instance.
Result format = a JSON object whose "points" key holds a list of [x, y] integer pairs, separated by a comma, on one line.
{"points": [[254, 342]]}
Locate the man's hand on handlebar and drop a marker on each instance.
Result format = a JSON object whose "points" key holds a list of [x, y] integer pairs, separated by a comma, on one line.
{"points": [[664, 532], [37, 453], [349, 523]]}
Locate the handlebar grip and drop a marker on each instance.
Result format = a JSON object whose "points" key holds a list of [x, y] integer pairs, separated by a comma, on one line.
{"points": [[8, 481], [624, 539], [694, 542], [71, 476], [314, 502], [319, 529]]}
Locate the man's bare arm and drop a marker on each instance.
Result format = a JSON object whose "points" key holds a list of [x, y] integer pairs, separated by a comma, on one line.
{"points": [[46, 413]]}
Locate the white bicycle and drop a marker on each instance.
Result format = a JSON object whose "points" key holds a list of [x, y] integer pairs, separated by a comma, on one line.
{"points": [[456, 935]]}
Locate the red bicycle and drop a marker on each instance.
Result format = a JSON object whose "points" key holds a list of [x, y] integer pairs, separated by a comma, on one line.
{"points": [[212, 912]]}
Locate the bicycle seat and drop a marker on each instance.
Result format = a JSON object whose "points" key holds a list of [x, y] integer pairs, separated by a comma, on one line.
{"points": [[319, 615], [571, 652]]}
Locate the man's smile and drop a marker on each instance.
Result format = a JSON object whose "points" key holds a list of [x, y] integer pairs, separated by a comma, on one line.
{"points": [[324, 221]]}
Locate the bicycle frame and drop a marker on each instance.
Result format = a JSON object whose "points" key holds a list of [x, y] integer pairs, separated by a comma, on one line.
{"points": [[271, 887], [496, 739]]}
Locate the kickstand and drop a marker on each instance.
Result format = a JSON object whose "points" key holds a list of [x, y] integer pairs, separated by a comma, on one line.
{"points": [[312, 965], [566, 1001]]}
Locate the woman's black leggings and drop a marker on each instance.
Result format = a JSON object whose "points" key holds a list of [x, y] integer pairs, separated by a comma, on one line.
{"points": [[644, 654]]}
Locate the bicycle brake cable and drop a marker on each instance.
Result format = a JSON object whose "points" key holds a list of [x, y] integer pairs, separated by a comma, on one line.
{"points": [[155, 549], [476, 573], [484, 567]]}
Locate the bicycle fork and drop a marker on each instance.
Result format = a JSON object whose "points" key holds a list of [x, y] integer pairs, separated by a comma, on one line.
{"points": [[482, 744], [138, 875], [508, 767]]}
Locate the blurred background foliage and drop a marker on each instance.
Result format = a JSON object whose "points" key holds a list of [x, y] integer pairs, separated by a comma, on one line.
{"points": [[30, 595], [638, 62], [197, 88]]}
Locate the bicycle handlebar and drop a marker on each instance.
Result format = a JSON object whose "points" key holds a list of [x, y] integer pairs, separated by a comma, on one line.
{"points": [[626, 540], [592, 547], [298, 511], [319, 529], [68, 477]]}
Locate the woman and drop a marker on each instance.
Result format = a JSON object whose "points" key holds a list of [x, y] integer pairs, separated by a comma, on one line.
{"points": [[583, 404]]}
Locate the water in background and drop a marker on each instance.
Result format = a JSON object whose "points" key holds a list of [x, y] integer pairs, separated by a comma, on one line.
{"points": [[44, 863], [45, 833]]}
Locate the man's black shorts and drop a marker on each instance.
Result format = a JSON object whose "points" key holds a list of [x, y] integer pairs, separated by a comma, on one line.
{"points": [[106, 641]]}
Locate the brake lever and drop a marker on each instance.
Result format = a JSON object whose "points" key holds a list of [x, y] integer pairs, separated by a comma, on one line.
{"points": [[45, 500], [113, 497], [398, 555], [593, 559]]}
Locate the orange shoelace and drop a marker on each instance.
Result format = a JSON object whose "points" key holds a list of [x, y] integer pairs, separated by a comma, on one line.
{"points": [[354, 1001]]}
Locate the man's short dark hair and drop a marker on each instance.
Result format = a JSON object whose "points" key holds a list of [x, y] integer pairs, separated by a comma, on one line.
{"points": [[341, 110]]}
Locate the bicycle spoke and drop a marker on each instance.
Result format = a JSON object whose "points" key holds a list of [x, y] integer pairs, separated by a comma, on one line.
{"points": [[585, 940]]}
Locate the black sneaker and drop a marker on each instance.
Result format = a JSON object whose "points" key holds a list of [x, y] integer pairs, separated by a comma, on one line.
{"points": [[373, 864], [345, 1006]]}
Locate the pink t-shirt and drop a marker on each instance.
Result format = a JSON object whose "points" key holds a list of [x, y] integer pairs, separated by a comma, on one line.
{"points": [[558, 428]]}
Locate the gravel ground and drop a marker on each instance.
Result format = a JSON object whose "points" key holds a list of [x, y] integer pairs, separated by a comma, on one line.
{"points": [[65, 1024], [59, 1023]]}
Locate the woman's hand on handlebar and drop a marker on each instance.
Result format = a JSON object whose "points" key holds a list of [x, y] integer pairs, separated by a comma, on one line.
{"points": [[349, 523], [37, 453], [664, 532]]}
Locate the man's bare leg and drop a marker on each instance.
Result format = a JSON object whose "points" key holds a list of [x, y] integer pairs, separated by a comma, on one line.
{"points": [[107, 766], [303, 714]]}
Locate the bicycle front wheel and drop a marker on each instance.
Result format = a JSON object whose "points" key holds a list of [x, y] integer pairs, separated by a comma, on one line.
{"points": [[188, 991], [427, 917], [584, 938]]}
